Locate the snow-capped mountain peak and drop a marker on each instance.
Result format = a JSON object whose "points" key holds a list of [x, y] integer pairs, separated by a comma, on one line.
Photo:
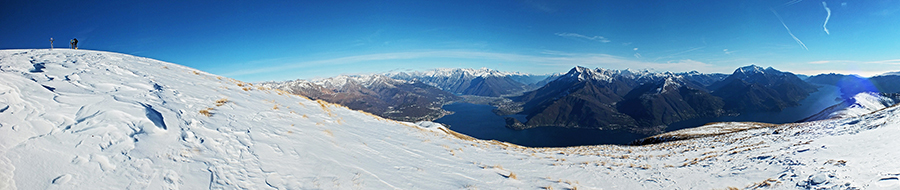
{"points": [[580, 73], [457, 72], [750, 70], [671, 82], [342, 81]]}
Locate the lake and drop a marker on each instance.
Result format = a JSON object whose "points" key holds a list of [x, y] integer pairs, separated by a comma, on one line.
{"points": [[480, 122]]}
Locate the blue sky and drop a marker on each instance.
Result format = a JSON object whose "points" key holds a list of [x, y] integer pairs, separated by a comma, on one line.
{"points": [[282, 40]]}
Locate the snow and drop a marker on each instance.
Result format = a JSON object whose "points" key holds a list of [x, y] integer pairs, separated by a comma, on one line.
{"points": [[890, 74], [339, 82], [749, 70], [859, 104], [671, 82], [464, 72], [100, 120]]}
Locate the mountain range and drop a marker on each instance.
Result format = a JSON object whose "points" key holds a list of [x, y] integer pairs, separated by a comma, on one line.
{"points": [[754, 89], [853, 84], [386, 97], [646, 102], [479, 82], [633, 100]]}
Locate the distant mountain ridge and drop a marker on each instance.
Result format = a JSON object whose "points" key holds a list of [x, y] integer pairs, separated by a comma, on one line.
{"points": [[377, 94], [638, 101], [754, 89], [645, 102], [854, 84], [479, 82]]}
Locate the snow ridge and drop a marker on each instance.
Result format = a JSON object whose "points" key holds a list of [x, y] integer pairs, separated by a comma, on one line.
{"points": [[580, 73], [339, 82], [457, 72]]}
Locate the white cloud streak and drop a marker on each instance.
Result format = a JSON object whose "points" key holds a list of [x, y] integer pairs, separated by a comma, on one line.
{"points": [[579, 36], [824, 26], [887, 61], [790, 3], [789, 30]]}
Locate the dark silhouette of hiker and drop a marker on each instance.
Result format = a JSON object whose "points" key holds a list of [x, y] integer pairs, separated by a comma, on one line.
{"points": [[75, 43]]}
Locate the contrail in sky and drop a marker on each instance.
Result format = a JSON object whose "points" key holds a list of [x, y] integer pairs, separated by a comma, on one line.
{"points": [[826, 17], [790, 3], [789, 30]]}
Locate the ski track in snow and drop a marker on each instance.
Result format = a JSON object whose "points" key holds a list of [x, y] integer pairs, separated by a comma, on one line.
{"points": [[99, 120]]}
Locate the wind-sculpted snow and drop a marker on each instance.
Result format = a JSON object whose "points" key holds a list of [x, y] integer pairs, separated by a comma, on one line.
{"points": [[116, 121]]}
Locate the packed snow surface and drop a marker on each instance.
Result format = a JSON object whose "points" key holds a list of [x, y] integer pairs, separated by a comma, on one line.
{"points": [[81, 119]]}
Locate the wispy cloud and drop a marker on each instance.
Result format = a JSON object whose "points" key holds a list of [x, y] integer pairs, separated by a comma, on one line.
{"points": [[862, 68], [846, 72], [819, 62], [824, 26], [789, 3], [670, 56], [687, 51], [887, 62], [789, 30], [890, 61], [579, 36]]}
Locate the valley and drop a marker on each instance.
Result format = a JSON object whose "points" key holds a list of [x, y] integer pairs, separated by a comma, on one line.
{"points": [[581, 107]]}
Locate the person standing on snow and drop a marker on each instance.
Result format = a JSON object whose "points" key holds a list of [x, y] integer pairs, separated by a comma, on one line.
{"points": [[51, 43], [75, 43]]}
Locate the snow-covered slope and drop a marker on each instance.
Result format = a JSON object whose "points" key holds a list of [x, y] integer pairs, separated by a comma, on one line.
{"points": [[80, 119], [859, 104]]}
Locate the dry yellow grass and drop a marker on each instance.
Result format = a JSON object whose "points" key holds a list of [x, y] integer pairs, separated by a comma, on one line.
{"points": [[206, 112], [221, 102], [767, 183]]}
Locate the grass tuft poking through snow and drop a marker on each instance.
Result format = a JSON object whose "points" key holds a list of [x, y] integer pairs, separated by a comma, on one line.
{"points": [[206, 112], [221, 102]]}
